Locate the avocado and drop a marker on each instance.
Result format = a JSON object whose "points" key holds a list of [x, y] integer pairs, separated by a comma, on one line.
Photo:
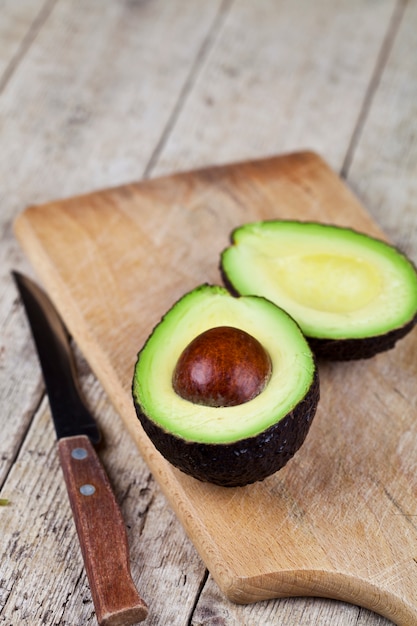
{"points": [[352, 295], [226, 387]]}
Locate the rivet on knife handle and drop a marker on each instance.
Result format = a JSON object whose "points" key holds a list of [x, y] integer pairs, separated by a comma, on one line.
{"points": [[101, 533]]}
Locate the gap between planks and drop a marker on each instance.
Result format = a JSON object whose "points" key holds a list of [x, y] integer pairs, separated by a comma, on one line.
{"points": [[26, 42], [189, 83], [382, 59]]}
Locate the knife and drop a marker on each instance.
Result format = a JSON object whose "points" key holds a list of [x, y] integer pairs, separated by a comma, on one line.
{"points": [[98, 519]]}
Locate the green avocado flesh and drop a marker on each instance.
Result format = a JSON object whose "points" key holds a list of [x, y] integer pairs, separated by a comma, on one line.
{"points": [[339, 284], [227, 445]]}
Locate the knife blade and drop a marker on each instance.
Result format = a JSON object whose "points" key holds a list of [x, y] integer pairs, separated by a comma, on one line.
{"points": [[98, 519]]}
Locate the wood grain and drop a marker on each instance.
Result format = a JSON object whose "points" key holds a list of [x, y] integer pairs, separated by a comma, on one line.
{"points": [[281, 76], [338, 520], [388, 183]]}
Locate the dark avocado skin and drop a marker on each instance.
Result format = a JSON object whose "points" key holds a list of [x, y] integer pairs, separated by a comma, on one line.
{"points": [[242, 462], [355, 349]]}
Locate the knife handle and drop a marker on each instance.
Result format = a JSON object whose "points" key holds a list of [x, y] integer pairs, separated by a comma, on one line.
{"points": [[101, 533]]}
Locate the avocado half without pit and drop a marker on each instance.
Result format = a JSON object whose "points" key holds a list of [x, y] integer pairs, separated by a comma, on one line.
{"points": [[226, 387], [352, 295]]}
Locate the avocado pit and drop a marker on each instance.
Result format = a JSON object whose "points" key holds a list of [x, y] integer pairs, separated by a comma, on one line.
{"points": [[223, 366]]}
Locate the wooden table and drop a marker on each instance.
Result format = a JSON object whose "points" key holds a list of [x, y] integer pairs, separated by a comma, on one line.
{"points": [[98, 93]]}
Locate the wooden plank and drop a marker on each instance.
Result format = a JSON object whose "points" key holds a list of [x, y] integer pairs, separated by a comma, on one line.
{"points": [[18, 390], [384, 164], [78, 95], [18, 19], [281, 76], [309, 529]]}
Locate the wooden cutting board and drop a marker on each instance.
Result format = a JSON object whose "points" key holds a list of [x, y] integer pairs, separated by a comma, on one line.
{"points": [[340, 520]]}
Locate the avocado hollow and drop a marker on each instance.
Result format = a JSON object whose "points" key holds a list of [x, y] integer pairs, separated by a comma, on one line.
{"points": [[353, 295]]}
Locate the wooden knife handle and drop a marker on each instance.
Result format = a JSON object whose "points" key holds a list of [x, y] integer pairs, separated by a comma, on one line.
{"points": [[102, 535]]}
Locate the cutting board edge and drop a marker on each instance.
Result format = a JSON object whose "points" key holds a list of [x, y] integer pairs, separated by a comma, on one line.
{"points": [[337, 586], [306, 155]]}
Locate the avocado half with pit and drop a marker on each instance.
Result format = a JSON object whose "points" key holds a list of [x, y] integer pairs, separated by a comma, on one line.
{"points": [[352, 295], [226, 387]]}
